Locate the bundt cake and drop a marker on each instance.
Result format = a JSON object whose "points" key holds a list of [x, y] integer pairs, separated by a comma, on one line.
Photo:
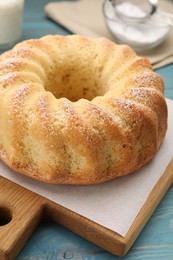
{"points": [[76, 110]]}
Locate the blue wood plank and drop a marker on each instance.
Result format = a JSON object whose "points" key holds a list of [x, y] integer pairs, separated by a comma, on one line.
{"points": [[51, 241], [167, 75]]}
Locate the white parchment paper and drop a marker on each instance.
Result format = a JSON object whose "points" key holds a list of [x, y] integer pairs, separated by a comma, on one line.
{"points": [[114, 204]]}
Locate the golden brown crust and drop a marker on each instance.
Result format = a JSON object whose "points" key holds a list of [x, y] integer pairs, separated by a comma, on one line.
{"points": [[75, 110]]}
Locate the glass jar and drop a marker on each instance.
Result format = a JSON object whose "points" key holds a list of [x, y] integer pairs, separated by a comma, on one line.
{"points": [[139, 35], [11, 16]]}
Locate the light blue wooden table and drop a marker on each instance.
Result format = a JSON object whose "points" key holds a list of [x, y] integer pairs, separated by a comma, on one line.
{"points": [[51, 241]]}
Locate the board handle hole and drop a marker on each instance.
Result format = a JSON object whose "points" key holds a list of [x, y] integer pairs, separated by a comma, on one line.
{"points": [[5, 216]]}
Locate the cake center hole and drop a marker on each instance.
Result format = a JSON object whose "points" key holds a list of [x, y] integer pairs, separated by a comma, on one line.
{"points": [[5, 216], [76, 80]]}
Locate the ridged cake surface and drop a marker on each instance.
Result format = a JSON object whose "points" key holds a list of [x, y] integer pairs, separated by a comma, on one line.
{"points": [[76, 110]]}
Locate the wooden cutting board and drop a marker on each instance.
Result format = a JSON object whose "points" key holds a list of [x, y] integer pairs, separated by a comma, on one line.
{"points": [[21, 211]]}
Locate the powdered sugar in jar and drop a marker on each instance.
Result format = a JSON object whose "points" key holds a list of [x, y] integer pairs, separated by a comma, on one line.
{"points": [[139, 35], [11, 15]]}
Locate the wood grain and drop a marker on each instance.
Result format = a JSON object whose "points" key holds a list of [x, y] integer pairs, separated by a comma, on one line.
{"points": [[28, 208], [52, 241], [26, 212]]}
